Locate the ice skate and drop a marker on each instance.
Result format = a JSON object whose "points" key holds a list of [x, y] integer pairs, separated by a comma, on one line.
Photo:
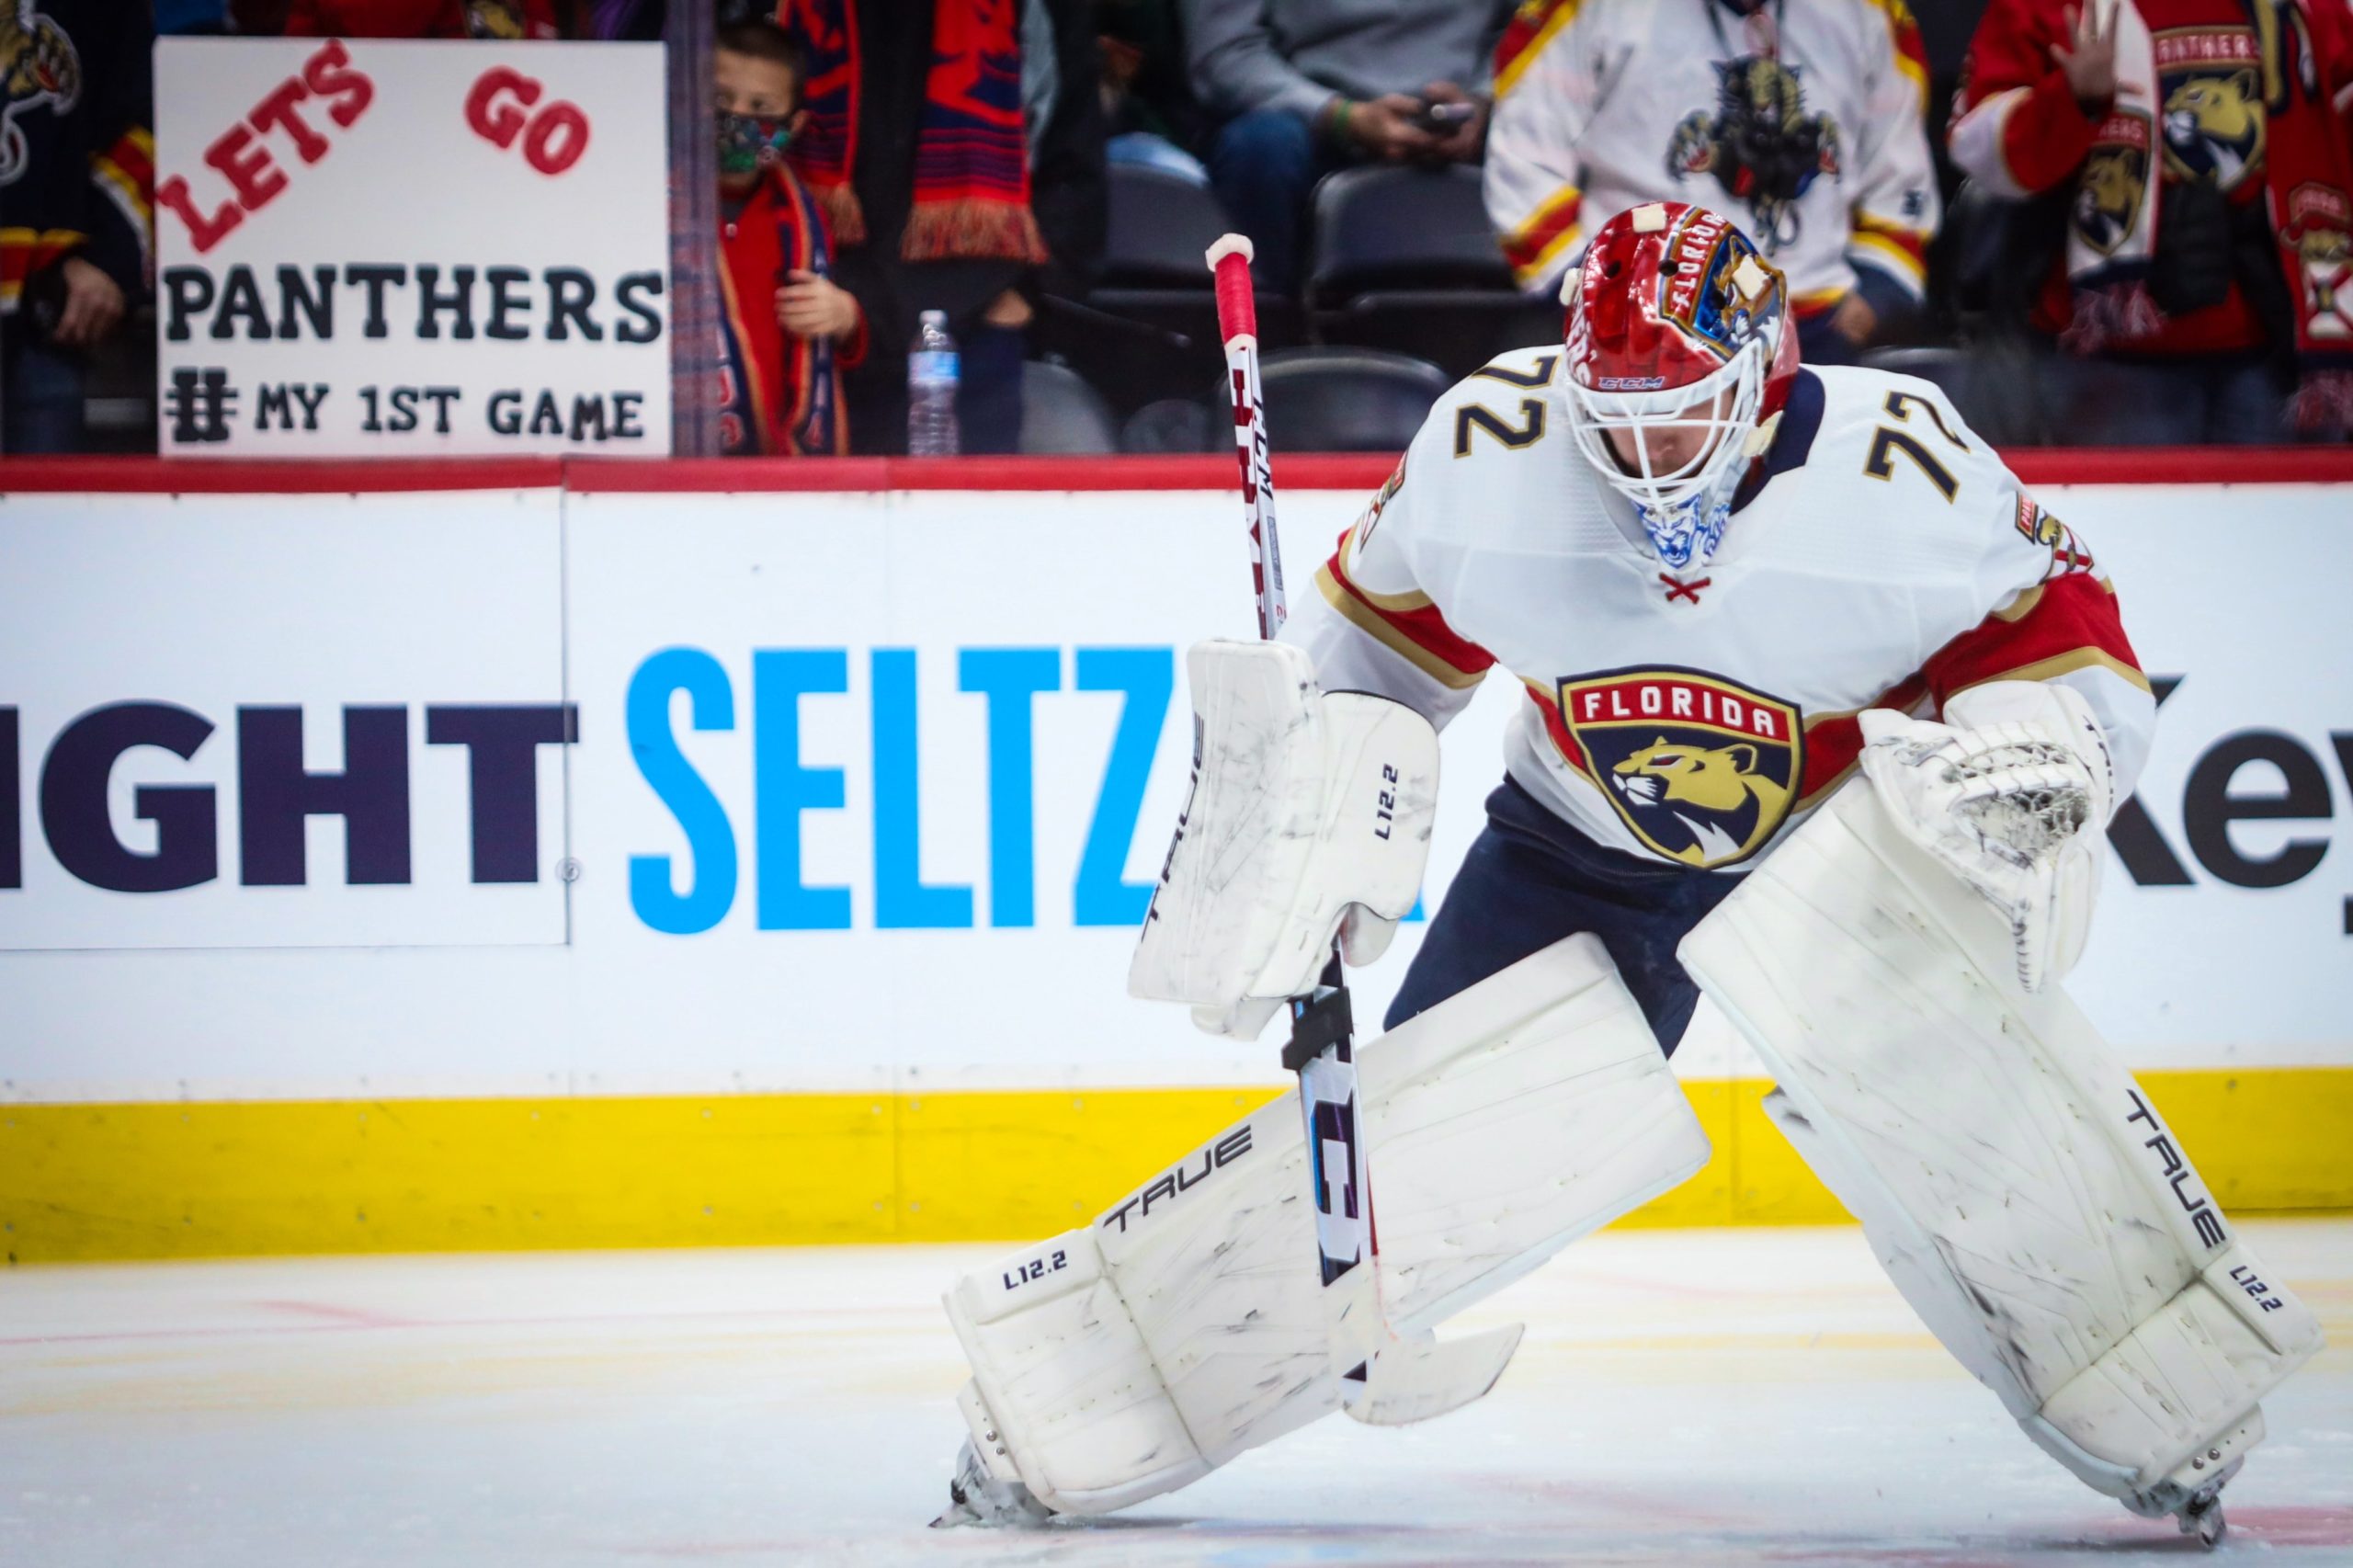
{"points": [[977, 1497]]}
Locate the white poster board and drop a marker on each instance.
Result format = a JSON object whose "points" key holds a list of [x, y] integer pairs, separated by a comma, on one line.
{"points": [[409, 249]]}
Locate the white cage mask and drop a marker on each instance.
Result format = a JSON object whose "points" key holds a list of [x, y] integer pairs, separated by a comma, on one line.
{"points": [[1685, 509]]}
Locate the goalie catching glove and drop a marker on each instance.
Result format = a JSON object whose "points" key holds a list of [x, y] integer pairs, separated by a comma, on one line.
{"points": [[2012, 795], [1309, 821]]}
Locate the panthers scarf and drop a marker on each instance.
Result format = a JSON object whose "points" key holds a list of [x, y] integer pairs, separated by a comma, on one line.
{"points": [[971, 194], [780, 394], [2109, 257]]}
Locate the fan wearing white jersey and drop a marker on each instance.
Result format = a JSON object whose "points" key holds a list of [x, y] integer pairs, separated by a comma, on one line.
{"points": [[1703, 562]]}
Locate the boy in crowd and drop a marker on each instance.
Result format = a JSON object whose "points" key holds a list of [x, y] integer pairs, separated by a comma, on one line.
{"points": [[787, 330]]}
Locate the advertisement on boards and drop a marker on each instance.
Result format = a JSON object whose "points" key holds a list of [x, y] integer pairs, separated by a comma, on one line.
{"points": [[793, 790], [411, 249]]}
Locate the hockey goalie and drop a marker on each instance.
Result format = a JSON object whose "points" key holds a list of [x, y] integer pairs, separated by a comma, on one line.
{"points": [[1826, 718]]}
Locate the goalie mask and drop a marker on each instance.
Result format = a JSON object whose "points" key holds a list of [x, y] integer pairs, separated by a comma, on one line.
{"points": [[1680, 355]]}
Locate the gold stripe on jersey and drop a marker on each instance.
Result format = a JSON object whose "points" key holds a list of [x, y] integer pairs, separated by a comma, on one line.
{"points": [[2059, 664], [1365, 618], [1402, 603]]}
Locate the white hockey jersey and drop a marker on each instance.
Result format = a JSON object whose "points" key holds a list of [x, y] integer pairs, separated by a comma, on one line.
{"points": [[1882, 556], [1603, 105]]}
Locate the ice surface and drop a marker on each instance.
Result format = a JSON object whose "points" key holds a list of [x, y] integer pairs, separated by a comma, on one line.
{"points": [[1755, 1396]]}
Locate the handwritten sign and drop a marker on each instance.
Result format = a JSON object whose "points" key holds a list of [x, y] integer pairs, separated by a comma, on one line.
{"points": [[408, 249]]}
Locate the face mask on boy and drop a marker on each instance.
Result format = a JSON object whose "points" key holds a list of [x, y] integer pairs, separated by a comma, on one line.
{"points": [[749, 142]]}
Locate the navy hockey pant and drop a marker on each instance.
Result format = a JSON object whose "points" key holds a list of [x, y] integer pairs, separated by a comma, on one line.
{"points": [[1531, 879]]}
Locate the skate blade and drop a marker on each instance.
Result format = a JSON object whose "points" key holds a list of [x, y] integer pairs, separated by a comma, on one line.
{"points": [[2207, 1524], [958, 1514]]}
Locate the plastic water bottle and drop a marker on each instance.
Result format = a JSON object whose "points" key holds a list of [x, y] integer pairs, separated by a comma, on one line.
{"points": [[932, 369]]}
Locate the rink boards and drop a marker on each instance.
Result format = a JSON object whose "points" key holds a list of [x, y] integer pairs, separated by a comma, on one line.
{"points": [[513, 855]]}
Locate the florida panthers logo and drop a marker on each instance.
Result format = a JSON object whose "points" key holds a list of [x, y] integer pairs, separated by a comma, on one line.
{"points": [[1761, 145], [2113, 184], [38, 61], [2319, 219], [1702, 771], [2215, 125]]}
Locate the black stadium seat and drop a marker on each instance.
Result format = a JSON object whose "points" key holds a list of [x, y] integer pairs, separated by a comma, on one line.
{"points": [[1160, 225], [1061, 415], [1345, 400], [1405, 259], [1150, 323], [1994, 387]]}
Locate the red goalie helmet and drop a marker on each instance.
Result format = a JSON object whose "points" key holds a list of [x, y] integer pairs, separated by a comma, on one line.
{"points": [[1677, 324]]}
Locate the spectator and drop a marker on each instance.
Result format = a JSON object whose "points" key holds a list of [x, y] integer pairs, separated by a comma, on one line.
{"points": [[1801, 119], [786, 329], [1303, 87], [1150, 116], [2202, 156], [506, 20], [77, 182], [959, 158]]}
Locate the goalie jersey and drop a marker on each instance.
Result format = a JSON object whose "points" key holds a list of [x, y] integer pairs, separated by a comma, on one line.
{"points": [[1879, 555]]}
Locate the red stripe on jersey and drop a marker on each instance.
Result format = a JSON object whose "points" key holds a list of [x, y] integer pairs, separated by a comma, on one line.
{"points": [[2072, 624], [1835, 741], [2043, 136], [1422, 625], [1524, 247], [1909, 45], [134, 155], [1565, 743], [1911, 241]]}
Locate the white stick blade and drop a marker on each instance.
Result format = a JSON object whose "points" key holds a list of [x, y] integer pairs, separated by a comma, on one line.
{"points": [[1413, 1380]]}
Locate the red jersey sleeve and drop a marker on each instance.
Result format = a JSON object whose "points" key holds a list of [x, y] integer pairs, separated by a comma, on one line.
{"points": [[2017, 128]]}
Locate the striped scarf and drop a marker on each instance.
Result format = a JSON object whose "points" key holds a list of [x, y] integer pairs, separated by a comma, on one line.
{"points": [[971, 194], [2118, 204]]}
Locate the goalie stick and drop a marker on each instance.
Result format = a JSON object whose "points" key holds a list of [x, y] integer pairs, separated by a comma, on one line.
{"points": [[1384, 1380]]}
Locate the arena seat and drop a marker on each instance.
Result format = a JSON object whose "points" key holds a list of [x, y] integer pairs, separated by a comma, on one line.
{"points": [[1173, 425], [1996, 389], [1347, 400], [1150, 323], [1404, 259], [1060, 413]]}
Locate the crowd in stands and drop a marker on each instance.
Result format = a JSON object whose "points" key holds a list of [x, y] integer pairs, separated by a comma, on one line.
{"points": [[2111, 222]]}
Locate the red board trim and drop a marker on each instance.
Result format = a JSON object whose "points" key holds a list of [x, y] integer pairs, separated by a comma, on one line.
{"points": [[2171, 465]]}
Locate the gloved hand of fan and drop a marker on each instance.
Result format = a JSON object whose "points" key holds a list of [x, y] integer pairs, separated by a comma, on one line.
{"points": [[2012, 796]]}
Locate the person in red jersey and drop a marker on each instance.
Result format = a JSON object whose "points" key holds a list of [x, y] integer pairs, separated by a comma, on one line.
{"points": [[2204, 157]]}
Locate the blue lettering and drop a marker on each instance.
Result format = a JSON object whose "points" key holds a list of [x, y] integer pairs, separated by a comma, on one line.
{"points": [[1148, 676], [901, 901], [710, 706], [1009, 677], [782, 788]]}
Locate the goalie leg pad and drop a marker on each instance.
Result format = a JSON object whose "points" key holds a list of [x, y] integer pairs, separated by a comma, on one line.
{"points": [[2016, 1182], [1185, 1326]]}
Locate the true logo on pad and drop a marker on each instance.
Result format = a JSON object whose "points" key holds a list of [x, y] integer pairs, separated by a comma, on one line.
{"points": [[1703, 771]]}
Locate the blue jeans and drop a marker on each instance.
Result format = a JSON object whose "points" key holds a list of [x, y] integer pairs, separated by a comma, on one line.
{"points": [[1531, 879], [40, 396], [1263, 166], [1144, 149], [988, 395]]}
